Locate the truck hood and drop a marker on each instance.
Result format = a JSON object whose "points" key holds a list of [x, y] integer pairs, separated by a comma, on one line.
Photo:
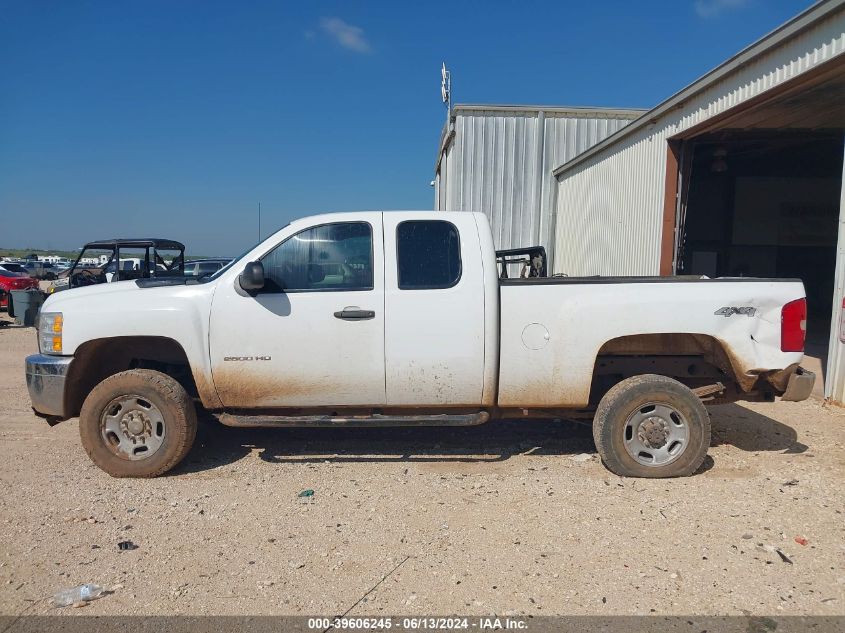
{"points": [[113, 294], [90, 292], [122, 308]]}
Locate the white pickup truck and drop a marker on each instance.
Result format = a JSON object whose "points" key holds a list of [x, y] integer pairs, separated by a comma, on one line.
{"points": [[405, 318]]}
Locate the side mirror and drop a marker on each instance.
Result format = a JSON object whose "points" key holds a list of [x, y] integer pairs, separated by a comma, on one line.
{"points": [[252, 278]]}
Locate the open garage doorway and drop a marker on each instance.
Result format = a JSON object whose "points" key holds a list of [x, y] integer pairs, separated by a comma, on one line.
{"points": [[761, 194], [766, 204]]}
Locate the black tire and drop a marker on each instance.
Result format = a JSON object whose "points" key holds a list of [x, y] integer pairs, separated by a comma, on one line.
{"points": [[173, 405], [633, 399]]}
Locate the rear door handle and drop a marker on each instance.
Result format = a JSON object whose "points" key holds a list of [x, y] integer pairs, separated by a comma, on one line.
{"points": [[348, 314]]}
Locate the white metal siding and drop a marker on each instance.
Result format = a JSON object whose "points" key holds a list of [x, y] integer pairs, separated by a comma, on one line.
{"points": [[609, 209], [566, 138], [834, 380], [500, 163]]}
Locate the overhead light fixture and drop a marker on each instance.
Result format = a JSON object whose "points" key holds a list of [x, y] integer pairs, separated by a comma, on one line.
{"points": [[719, 164]]}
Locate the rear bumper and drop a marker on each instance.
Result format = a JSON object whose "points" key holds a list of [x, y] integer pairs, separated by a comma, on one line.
{"points": [[46, 378], [800, 385]]}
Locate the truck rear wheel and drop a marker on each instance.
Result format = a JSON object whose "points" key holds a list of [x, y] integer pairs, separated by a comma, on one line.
{"points": [[651, 426], [138, 423]]}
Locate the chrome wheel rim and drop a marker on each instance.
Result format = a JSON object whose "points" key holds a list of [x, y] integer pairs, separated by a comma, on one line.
{"points": [[656, 434], [132, 427]]}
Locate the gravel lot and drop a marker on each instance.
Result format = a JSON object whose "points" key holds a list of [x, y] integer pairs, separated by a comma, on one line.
{"points": [[504, 518]]}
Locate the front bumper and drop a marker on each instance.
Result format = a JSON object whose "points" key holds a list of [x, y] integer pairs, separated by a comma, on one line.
{"points": [[46, 379], [800, 385]]}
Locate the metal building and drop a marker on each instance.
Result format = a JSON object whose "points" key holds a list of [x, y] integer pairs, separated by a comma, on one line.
{"points": [[499, 160], [739, 174]]}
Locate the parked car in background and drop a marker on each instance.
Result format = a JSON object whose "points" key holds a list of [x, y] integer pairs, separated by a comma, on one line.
{"points": [[13, 267], [14, 281], [203, 267], [41, 270]]}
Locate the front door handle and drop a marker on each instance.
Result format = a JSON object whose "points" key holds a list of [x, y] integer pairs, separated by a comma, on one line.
{"points": [[354, 314]]}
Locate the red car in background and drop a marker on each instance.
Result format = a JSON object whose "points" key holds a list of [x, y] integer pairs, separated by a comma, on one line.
{"points": [[13, 281]]}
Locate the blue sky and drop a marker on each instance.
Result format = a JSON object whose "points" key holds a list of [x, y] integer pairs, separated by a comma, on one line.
{"points": [[175, 118]]}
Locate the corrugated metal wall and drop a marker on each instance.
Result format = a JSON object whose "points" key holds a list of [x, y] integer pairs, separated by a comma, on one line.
{"points": [[609, 209], [500, 162], [834, 380]]}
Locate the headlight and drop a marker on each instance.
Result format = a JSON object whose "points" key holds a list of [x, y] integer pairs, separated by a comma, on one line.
{"points": [[50, 332]]}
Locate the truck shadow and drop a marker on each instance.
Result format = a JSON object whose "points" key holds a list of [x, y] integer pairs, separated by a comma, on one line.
{"points": [[494, 442], [751, 431]]}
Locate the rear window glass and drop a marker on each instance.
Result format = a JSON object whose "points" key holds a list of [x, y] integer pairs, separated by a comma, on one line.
{"points": [[428, 254]]}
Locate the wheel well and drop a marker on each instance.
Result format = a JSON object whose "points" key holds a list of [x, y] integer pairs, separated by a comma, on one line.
{"points": [[96, 360], [695, 360]]}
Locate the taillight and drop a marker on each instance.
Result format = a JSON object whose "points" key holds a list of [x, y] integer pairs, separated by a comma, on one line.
{"points": [[793, 326]]}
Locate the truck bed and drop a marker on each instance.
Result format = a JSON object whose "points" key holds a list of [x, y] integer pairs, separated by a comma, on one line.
{"points": [[553, 329]]}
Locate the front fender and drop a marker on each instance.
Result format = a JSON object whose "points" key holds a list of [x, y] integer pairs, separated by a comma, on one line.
{"points": [[122, 309]]}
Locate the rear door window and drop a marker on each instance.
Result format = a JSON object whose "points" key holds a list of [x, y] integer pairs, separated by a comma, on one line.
{"points": [[428, 254]]}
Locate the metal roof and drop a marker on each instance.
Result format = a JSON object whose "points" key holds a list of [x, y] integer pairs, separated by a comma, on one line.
{"points": [[137, 243], [789, 29], [627, 113]]}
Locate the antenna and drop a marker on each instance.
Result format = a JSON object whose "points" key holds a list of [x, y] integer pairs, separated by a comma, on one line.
{"points": [[446, 88], [259, 221]]}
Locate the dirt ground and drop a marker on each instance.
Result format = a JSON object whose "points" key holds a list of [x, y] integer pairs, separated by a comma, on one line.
{"points": [[505, 518]]}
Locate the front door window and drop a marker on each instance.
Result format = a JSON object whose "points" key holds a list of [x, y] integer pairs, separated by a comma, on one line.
{"points": [[335, 256]]}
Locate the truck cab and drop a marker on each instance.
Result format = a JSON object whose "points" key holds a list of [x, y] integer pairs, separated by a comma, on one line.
{"points": [[386, 310]]}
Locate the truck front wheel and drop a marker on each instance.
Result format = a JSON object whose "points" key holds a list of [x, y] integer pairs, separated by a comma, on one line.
{"points": [[651, 426], [138, 423]]}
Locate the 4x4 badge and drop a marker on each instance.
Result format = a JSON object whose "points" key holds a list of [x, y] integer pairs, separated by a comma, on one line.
{"points": [[731, 310]]}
